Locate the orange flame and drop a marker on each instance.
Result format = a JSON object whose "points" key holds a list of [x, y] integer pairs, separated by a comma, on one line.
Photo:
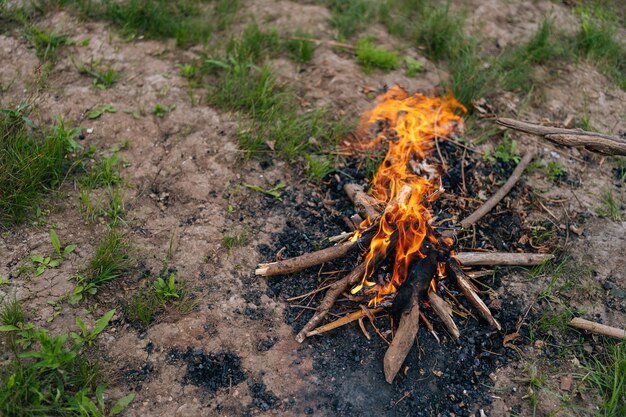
{"points": [[404, 182]]}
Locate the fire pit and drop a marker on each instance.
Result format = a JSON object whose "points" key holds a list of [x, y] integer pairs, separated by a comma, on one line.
{"points": [[395, 226]]}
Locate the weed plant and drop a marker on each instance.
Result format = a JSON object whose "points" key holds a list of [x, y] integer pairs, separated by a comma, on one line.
{"points": [[54, 375]]}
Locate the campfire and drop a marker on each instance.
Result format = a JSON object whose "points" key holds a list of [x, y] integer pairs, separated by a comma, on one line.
{"points": [[395, 227]]}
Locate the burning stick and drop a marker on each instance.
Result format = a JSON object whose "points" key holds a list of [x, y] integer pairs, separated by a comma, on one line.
{"points": [[366, 205], [471, 295], [444, 312], [596, 142], [598, 328], [501, 258], [359, 314], [499, 195], [403, 340]]}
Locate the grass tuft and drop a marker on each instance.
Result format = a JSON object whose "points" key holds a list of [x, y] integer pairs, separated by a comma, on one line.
{"points": [[370, 56], [111, 259], [46, 43], [610, 206], [32, 161], [598, 41], [607, 372]]}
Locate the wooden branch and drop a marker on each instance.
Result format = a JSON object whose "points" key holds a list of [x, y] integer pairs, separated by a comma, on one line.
{"points": [[503, 191], [595, 142], [501, 258], [349, 318], [366, 205], [598, 328], [403, 339], [306, 260], [331, 296], [471, 295], [444, 312]]}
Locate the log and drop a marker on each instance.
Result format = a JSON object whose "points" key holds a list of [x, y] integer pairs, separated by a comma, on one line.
{"points": [[598, 328], [444, 312], [471, 295], [349, 318], [503, 191], [592, 141], [403, 339], [501, 258], [364, 204]]}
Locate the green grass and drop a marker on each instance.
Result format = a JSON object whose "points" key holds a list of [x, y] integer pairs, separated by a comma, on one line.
{"points": [[12, 312], [274, 120], [159, 19], [607, 373], [46, 43], [506, 151], [598, 41], [440, 32], [300, 49], [610, 206], [318, 167], [103, 76], [350, 17], [370, 56], [32, 161], [516, 66], [555, 171], [110, 261], [231, 240], [142, 307], [104, 173], [54, 375]]}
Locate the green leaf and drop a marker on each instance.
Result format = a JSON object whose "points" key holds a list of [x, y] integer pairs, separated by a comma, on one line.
{"points": [[121, 404], [75, 298], [100, 110], [37, 258], [102, 322], [69, 249], [3, 281], [54, 263], [56, 243], [8, 328], [81, 325], [100, 394], [40, 270]]}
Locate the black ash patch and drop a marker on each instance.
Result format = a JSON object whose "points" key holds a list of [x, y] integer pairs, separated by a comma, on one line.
{"points": [[211, 371]]}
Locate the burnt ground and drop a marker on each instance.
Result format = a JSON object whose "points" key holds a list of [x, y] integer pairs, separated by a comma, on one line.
{"points": [[234, 353]]}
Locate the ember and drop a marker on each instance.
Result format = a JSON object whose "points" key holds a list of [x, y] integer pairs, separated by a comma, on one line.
{"points": [[396, 228]]}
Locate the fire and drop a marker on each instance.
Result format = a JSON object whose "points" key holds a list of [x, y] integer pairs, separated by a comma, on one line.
{"points": [[404, 182]]}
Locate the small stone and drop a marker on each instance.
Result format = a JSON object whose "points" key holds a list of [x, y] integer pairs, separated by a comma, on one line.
{"points": [[566, 383], [617, 292], [437, 373], [90, 130]]}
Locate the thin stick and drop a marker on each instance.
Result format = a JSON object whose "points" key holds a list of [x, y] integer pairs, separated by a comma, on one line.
{"points": [[349, 318], [306, 260], [444, 312], [592, 141], [329, 299], [501, 258], [315, 291], [598, 328], [403, 339], [503, 191], [471, 295]]}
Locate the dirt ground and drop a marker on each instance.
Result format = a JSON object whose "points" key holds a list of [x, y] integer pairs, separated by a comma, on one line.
{"points": [[235, 354]]}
